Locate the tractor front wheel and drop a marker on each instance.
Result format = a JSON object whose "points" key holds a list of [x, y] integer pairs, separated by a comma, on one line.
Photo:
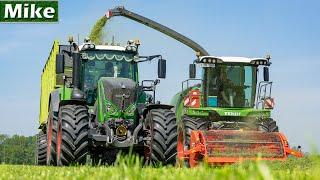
{"points": [[161, 138], [72, 135]]}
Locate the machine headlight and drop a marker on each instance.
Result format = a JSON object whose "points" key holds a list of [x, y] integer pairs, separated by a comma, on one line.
{"points": [[86, 46], [91, 46], [130, 111], [128, 48], [134, 48], [111, 109]]}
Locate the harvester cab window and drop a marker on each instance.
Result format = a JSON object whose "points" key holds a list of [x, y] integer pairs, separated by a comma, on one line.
{"points": [[232, 85]]}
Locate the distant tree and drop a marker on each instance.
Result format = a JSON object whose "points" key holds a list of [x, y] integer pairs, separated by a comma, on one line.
{"points": [[17, 149]]}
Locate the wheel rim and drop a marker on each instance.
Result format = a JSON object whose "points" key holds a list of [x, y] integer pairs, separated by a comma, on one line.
{"points": [[181, 146], [59, 139], [49, 139]]}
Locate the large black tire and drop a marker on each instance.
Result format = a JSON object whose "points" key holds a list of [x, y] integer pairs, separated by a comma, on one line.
{"points": [[186, 125], [162, 147], [269, 125], [41, 149], [72, 135]]}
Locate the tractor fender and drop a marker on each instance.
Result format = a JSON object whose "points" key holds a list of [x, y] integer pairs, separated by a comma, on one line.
{"points": [[55, 100], [149, 107], [72, 102]]}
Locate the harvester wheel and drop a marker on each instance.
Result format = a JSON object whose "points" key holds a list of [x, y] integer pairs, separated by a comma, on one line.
{"points": [[162, 137], [186, 126], [269, 125], [41, 149], [72, 135]]}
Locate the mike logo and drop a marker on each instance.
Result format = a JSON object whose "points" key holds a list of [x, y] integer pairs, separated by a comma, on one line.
{"points": [[29, 11]]}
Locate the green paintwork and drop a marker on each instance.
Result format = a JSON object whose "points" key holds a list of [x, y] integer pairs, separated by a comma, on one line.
{"points": [[176, 101], [113, 111], [65, 93], [238, 112]]}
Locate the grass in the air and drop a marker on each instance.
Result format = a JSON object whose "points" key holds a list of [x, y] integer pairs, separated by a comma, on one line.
{"points": [[96, 34]]}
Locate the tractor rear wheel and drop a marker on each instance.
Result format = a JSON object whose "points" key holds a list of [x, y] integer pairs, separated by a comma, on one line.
{"points": [[186, 125], [269, 125], [41, 149], [162, 137], [72, 135]]}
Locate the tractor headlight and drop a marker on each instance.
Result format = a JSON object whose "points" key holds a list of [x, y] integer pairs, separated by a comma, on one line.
{"points": [[128, 48], [131, 48], [134, 48], [130, 111], [88, 46], [91, 46], [111, 109]]}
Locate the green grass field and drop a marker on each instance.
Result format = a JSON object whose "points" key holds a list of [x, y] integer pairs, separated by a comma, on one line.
{"points": [[130, 168]]}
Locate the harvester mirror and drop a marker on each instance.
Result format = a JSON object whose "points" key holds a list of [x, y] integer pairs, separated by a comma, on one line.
{"points": [[162, 68], [192, 71], [59, 64], [266, 73]]}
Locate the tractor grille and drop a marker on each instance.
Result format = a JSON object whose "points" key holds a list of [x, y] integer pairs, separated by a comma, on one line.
{"points": [[115, 88]]}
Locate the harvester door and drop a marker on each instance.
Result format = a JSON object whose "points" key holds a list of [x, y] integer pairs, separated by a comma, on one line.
{"points": [[193, 99]]}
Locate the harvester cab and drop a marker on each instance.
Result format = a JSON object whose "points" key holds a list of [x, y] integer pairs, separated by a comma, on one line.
{"points": [[93, 104], [225, 116], [230, 83]]}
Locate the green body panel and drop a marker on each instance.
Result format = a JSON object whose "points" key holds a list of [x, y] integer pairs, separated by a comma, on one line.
{"points": [[65, 93], [238, 112], [113, 111], [176, 101], [181, 110]]}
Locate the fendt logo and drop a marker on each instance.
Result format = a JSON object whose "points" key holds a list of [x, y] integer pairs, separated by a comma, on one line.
{"points": [[29, 11], [232, 113]]}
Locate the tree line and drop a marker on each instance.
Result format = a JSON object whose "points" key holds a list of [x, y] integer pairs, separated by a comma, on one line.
{"points": [[17, 149]]}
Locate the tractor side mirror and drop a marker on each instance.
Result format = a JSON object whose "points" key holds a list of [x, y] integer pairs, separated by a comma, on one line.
{"points": [[192, 71], [162, 68], [59, 63], [266, 73]]}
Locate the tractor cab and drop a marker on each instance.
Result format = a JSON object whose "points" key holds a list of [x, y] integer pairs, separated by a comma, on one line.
{"points": [[101, 63], [231, 82]]}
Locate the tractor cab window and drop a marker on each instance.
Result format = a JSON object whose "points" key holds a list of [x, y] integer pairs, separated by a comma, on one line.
{"points": [[99, 64], [231, 85]]}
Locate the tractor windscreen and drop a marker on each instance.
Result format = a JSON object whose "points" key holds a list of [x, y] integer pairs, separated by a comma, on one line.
{"points": [[99, 64], [231, 85]]}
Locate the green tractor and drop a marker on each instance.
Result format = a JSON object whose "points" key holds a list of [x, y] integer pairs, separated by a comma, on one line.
{"points": [[93, 106], [226, 115]]}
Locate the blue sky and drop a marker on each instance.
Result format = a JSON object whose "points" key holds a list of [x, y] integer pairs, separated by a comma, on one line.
{"points": [[288, 30]]}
